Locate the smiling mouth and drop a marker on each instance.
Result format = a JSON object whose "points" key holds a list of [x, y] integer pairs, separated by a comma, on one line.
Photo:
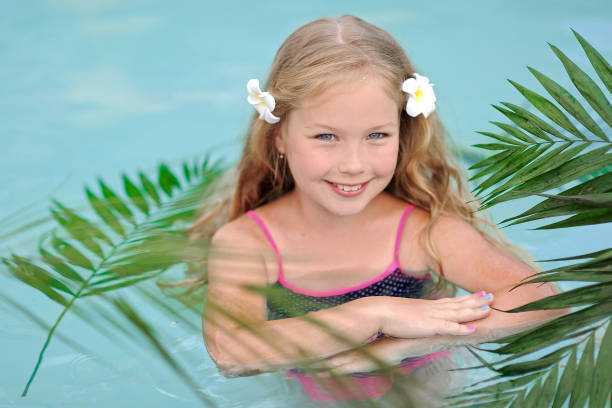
{"points": [[348, 188]]}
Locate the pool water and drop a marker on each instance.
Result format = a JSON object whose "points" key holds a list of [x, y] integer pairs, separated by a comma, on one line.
{"points": [[92, 89]]}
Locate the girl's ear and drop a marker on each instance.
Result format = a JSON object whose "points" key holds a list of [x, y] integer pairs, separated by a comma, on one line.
{"points": [[278, 140]]}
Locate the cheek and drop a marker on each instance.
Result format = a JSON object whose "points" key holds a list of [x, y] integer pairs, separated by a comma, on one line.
{"points": [[303, 167], [306, 161], [385, 161]]}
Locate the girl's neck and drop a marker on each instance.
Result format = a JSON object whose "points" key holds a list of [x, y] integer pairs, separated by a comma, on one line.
{"points": [[318, 219]]}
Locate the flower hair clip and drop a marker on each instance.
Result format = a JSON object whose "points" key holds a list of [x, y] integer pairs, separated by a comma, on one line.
{"points": [[263, 102], [421, 97]]}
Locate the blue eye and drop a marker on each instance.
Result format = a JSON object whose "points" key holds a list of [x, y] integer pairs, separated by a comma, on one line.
{"points": [[327, 137], [377, 136]]}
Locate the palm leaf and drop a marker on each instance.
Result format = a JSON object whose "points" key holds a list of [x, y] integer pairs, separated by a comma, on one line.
{"points": [[153, 338], [599, 392], [587, 87], [561, 175], [133, 240], [519, 117], [565, 155], [549, 109], [569, 103], [556, 204], [603, 69], [536, 121], [593, 200], [542, 165]]}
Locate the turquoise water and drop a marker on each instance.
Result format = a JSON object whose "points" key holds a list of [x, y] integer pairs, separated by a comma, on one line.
{"points": [[94, 88]]}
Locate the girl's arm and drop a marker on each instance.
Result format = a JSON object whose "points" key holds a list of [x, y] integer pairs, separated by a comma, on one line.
{"points": [[471, 262], [241, 341], [391, 351]]}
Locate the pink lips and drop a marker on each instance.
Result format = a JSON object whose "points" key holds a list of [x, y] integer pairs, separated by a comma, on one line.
{"points": [[348, 193]]}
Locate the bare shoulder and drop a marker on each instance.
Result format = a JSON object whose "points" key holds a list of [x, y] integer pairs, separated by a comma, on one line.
{"points": [[444, 223], [240, 233], [471, 261], [237, 254], [466, 257], [458, 231], [457, 239], [235, 266], [418, 217], [446, 228]]}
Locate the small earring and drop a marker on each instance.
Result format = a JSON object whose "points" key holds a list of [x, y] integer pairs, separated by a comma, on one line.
{"points": [[281, 156]]}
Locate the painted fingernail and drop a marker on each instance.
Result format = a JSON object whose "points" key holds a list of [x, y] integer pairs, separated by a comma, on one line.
{"points": [[485, 307], [488, 296], [481, 293], [470, 327]]}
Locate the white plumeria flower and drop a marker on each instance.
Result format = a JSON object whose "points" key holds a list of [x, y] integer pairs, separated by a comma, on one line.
{"points": [[263, 102], [421, 98]]}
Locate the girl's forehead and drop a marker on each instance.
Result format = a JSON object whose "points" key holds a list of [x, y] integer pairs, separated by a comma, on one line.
{"points": [[351, 82], [350, 93], [347, 108]]}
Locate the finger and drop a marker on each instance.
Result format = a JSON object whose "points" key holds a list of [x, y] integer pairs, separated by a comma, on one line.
{"points": [[480, 301], [474, 301], [479, 297], [471, 296], [485, 299], [454, 328], [456, 313], [461, 312], [466, 314]]}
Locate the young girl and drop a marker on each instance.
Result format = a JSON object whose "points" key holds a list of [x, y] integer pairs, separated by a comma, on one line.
{"points": [[349, 206]]}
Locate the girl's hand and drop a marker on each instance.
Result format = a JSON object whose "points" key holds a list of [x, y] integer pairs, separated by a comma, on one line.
{"points": [[426, 318], [412, 318], [370, 357]]}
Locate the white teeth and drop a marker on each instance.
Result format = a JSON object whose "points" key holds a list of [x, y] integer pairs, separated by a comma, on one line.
{"points": [[348, 188]]}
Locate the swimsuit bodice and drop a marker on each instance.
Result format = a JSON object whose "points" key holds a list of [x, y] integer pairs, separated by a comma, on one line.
{"points": [[288, 300]]}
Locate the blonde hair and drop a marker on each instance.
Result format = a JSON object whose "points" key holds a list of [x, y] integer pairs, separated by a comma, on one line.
{"points": [[316, 56]]}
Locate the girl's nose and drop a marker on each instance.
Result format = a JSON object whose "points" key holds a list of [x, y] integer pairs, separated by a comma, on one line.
{"points": [[351, 160]]}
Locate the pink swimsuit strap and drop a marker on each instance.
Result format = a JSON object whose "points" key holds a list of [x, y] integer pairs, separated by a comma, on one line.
{"points": [[394, 265]]}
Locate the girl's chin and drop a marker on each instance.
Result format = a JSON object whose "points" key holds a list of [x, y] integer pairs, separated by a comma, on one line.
{"points": [[343, 206]]}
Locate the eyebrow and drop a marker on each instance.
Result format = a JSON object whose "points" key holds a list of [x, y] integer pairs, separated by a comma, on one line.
{"points": [[333, 129]]}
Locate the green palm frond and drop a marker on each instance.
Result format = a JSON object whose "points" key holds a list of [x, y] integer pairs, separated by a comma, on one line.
{"points": [[537, 154], [154, 339], [562, 147], [136, 237]]}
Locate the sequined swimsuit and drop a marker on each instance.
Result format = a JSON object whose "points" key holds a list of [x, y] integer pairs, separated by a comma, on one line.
{"points": [[294, 301]]}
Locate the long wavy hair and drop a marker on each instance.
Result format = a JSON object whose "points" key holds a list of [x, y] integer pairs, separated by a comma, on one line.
{"points": [[323, 53]]}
